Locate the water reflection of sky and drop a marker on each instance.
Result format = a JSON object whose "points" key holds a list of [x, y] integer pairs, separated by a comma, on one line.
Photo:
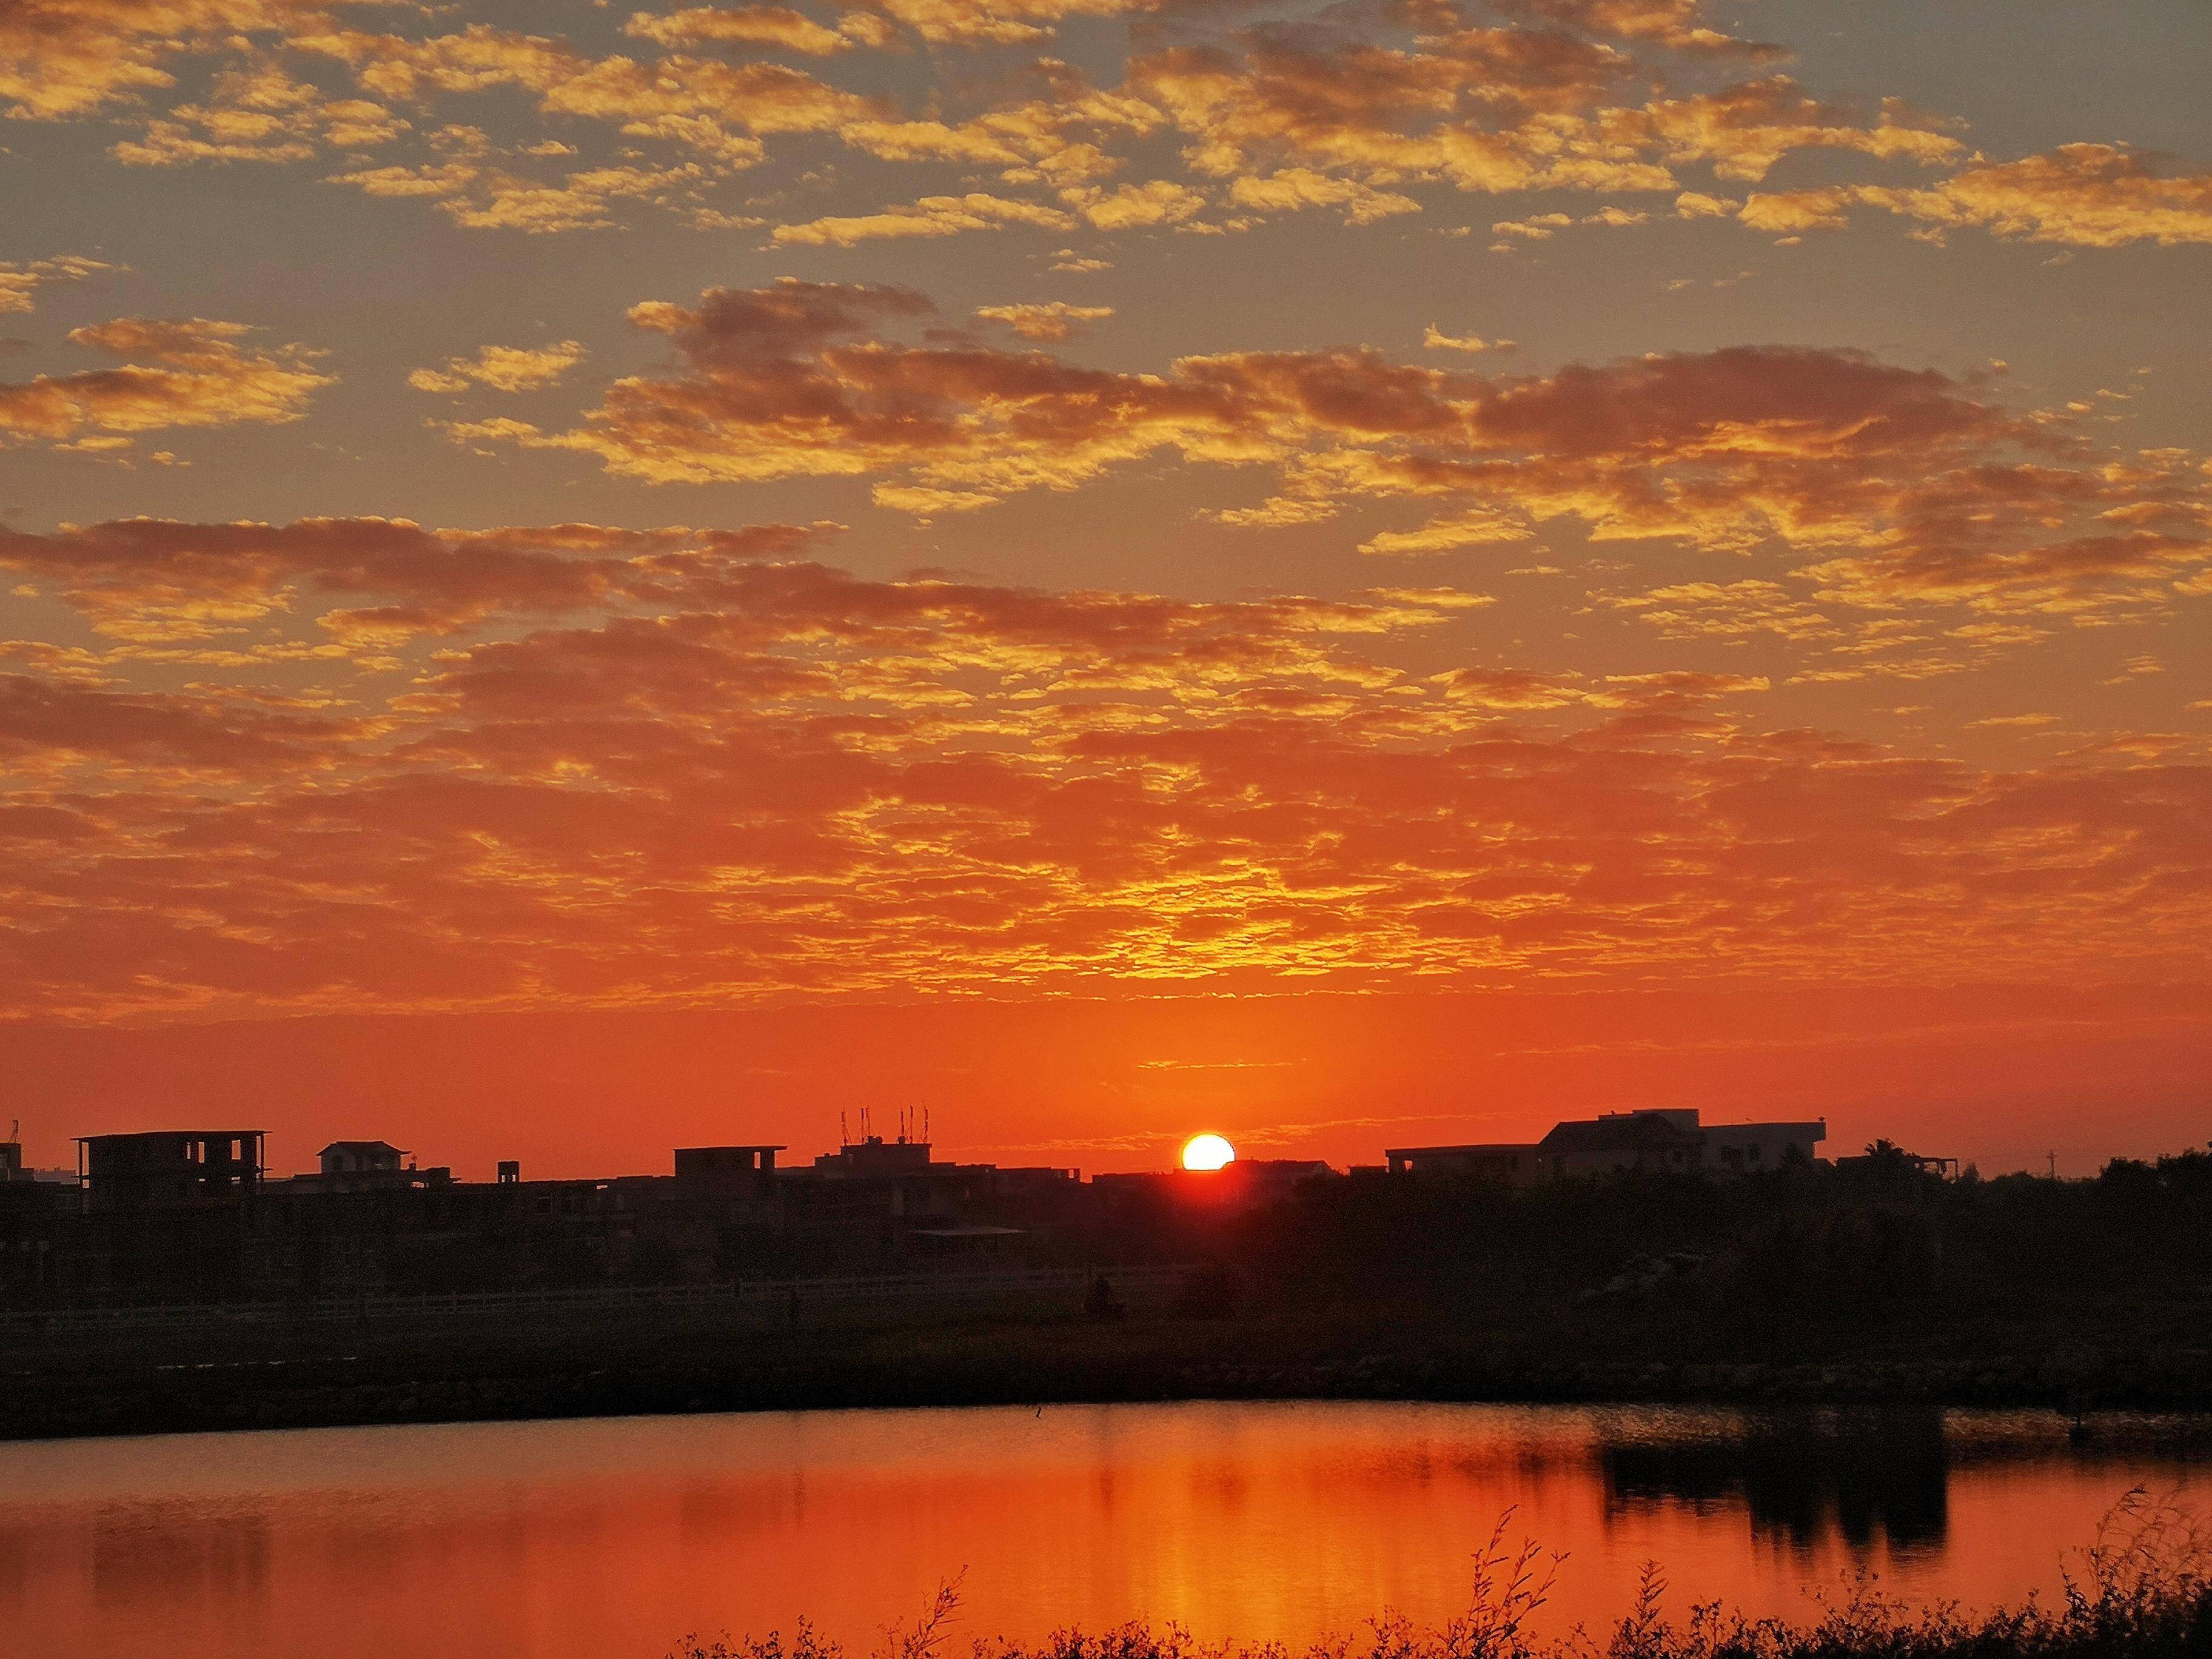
{"points": [[1253, 1521]]}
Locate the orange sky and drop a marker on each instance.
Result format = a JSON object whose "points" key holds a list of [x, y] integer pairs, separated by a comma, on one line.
{"points": [[578, 578]]}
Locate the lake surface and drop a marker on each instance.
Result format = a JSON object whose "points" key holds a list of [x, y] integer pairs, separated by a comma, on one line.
{"points": [[611, 1538]]}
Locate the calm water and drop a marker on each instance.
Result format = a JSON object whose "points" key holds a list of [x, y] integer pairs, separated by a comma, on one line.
{"points": [[611, 1538]]}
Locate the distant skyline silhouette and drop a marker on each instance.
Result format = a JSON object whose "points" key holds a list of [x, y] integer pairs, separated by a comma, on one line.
{"points": [[1333, 1078]]}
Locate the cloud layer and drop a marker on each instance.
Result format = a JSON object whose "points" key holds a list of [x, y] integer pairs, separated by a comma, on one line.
{"points": [[1368, 113], [750, 504], [1889, 485], [635, 767]]}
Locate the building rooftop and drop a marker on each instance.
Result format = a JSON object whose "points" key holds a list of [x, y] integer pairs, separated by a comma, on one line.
{"points": [[1618, 1129], [1471, 1147], [737, 1147]]}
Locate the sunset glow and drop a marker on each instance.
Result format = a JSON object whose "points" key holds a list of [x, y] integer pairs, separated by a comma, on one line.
{"points": [[1207, 1153], [1351, 573]]}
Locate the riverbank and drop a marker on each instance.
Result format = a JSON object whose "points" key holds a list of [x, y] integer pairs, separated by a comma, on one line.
{"points": [[2124, 1607], [2141, 1589], [2153, 1357]]}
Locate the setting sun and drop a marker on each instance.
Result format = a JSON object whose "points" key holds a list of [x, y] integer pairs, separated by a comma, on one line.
{"points": [[1207, 1153]]}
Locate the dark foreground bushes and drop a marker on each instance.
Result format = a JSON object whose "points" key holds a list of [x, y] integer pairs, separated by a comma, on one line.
{"points": [[2141, 1591]]}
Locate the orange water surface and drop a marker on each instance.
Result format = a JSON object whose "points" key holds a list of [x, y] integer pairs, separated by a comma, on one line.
{"points": [[613, 1537]]}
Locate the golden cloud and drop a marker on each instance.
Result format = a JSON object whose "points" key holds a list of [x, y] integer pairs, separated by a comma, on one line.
{"points": [[2082, 195], [502, 368], [196, 373], [1892, 482], [1291, 188], [259, 114], [1325, 112], [933, 216], [756, 775], [1679, 25], [62, 58], [1436, 340], [145, 579], [777, 26], [20, 283], [1045, 322]]}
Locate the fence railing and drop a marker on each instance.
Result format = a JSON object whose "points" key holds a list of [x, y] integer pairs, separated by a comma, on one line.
{"points": [[754, 1298]]}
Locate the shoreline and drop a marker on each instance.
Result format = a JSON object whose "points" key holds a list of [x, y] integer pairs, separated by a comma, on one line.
{"points": [[519, 1376]]}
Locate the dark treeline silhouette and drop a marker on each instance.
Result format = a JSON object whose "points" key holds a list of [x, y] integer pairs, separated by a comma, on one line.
{"points": [[1874, 1282], [1861, 1243]]}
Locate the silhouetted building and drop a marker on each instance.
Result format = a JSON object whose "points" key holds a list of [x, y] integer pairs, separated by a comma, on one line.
{"points": [[168, 1169], [872, 1158], [34, 1213], [1883, 1157], [874, 1198], [1652, 1140], [735, 1169], [1508, 1164], [161, 1216], [359, 1157], [727, 1205], [366, 1166], [192, 1216], [419, 1231]]}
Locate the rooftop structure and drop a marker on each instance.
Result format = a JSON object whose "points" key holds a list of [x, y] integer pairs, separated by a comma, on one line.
{"points": [[366, 1166], [169, 1168], [717, 1163], [1883, 1155], [1502, 1161], [1655, 1140], [359, 1157], [871, 1155]]}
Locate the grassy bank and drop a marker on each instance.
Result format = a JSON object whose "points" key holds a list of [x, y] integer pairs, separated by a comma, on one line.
{"points": [[2140, 1590]]}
